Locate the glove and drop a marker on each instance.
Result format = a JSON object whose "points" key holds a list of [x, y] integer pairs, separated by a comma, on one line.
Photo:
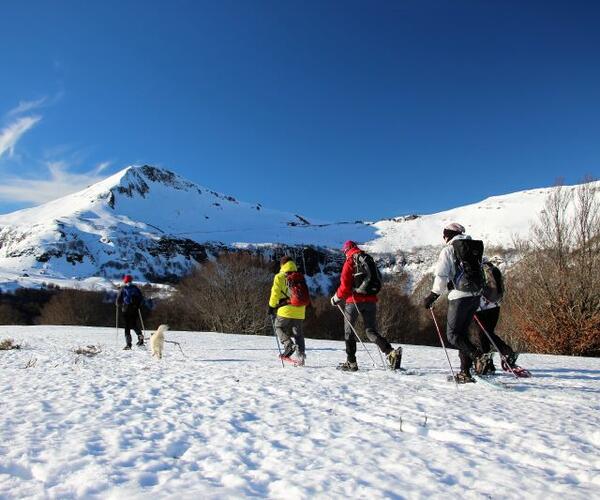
{"points": [[430, 299], [272, 311], [335, 300]]}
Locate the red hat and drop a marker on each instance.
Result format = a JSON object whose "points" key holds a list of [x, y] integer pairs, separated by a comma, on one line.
{"points": [[127, 278], [348, 245]]}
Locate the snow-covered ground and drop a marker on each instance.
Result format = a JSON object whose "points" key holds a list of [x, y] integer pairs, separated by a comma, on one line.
{"points": [[227, 421]]}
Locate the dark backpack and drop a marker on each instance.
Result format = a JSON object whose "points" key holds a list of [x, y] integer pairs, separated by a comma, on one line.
{"points": [[366, 277], [469, 274], [493, 288], [298, 289], [132, 297]]}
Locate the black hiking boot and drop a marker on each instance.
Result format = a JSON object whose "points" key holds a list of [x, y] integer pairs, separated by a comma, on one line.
{"points": [[348, 366], [140, 341], [484, 365], [394, 358], [463, 378], [288, 350], [490, 369], [127, 348]]}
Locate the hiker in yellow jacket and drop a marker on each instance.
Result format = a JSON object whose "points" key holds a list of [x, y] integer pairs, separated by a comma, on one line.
{"points": [[288, 319]]}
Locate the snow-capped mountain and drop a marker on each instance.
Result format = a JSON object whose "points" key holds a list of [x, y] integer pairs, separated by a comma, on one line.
{"points": [[154, 223], [147, 220]]}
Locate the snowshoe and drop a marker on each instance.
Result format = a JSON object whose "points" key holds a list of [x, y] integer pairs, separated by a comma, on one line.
{"points": [[509, 361], [461, 378], [394, 358], [348, 366], [291, 361], [521, 372], [509, 364], [300, 359], [288, 350]]}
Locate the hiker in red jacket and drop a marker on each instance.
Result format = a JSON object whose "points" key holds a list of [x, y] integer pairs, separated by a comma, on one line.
{"points": [[360, 282]]}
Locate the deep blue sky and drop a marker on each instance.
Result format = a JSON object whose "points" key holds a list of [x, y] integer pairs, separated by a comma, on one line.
{"points": [[336, 110]]}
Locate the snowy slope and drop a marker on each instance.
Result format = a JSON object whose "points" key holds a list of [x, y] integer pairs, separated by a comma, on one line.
{"points": [[227, 421], [159, 225]]}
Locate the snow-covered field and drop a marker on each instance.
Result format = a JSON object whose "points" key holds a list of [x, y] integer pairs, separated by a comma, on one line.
{"points": [[227, 421]]}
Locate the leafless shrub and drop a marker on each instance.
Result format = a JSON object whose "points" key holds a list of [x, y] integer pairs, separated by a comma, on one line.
{"points": [[229, 295], [30, 364], [9, 345], [89, 351], [426, 327], [10, 315], [399, 316], [323, 321], [553, 304], [78, 307]]}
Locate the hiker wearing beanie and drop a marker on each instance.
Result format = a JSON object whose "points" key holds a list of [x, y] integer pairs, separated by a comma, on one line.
{"points": [[360, 282], [129, 300], [458, 269], [287, 309]]}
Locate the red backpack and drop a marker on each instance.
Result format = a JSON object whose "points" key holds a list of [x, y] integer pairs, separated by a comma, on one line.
{"points": [[298, 289]]}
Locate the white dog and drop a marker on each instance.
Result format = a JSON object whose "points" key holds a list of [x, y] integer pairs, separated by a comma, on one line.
{"points": [[157, 341]]}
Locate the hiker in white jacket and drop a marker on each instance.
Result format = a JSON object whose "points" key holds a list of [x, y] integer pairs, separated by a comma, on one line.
{"points": [[463, 299]]}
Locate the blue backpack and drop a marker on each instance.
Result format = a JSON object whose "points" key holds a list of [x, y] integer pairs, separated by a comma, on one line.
{"points": [[132, 296]]}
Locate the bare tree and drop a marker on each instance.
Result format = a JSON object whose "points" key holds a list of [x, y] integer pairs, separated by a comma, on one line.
{"points": [[554, 299], [78, 307], [228, 295]]}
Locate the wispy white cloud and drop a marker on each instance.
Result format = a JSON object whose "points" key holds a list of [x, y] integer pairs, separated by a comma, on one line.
{"points": [[26, 106], [11, 134], [58, 182], [101, 167]]}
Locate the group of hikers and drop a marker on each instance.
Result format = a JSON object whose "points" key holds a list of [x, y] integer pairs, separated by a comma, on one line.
{"points": [[461, 269], [474, 285]]}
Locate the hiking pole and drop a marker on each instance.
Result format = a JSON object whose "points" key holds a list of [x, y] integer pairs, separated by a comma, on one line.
{"points": [[142, 322], [502, 356], [355, 333], [437, 329], [277, 340], [378, 350]]}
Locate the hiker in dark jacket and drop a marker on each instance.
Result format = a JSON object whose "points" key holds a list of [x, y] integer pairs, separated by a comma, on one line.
{"points": [[129, 300]]}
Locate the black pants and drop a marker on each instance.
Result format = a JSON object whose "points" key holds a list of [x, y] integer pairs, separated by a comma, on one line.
{"points": [[460, 315], [489, 320], [131, 323], [368, 312]]}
